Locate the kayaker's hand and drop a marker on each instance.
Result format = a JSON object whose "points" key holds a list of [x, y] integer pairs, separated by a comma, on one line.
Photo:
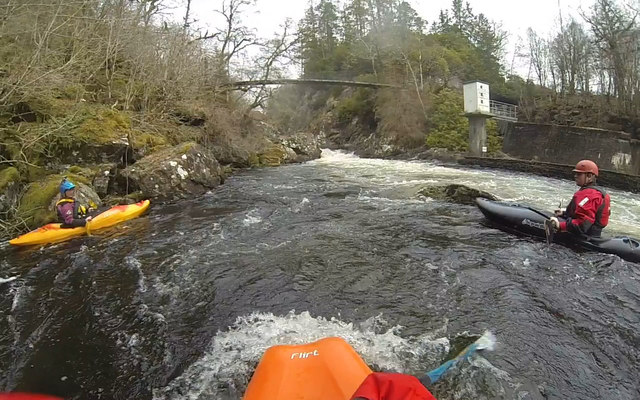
{"points": [[89, 218], [558, 212], [555, 222]]}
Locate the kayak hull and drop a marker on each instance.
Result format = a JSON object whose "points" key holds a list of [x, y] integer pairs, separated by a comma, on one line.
{"points": [[517, 218], [326, 369], [53, 233]]}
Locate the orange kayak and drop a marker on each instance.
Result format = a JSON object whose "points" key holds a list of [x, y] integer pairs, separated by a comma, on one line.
{"points": [[53, 233], [328, 369]]}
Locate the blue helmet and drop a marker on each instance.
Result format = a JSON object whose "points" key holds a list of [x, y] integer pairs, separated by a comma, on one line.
{"points": [[66, 185]]}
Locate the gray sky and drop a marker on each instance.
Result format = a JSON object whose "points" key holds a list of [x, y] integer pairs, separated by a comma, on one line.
{"points": [[514, 15]]}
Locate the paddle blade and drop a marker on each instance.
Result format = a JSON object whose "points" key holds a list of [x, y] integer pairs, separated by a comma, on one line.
{"points": [[548, 230], [485, 342]]}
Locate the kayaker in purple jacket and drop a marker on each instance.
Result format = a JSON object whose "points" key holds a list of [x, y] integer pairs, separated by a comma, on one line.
{"points": [[70, 213]]}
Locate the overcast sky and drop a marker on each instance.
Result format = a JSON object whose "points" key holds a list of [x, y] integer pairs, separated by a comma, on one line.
{"points": [[514, 15]]}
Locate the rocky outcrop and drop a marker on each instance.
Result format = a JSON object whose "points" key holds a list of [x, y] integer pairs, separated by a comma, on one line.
{"points": [[454, 193], [173, 173], [306, 146]]}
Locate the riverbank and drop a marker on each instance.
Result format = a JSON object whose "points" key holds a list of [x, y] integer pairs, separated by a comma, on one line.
{"points": [[120, 157]]}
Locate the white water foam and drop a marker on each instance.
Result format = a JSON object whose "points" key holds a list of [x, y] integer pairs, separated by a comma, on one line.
{"points": [[233, 355], [540, 192], [7, 280], [252, 218]]}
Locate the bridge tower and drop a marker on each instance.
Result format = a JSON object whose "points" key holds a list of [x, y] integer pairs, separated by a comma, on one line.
{"points": [[479, 107]]}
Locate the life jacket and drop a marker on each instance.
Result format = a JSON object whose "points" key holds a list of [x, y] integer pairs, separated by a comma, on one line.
{"points": [[600, 215], [79, 211]]}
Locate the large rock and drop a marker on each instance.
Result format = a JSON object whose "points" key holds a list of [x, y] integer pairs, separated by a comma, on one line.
{"points": [[174, 173], [227, 152], [306, 145], [455, 193]]}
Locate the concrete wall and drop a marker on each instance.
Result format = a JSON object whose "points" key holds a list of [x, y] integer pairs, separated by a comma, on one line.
{"points": [[614, 151]]}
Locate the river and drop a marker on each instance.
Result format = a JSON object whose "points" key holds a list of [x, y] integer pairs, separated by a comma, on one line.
{"points": [[181, 303]]}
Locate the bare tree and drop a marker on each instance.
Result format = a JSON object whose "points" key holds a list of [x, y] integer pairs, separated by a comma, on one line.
{"points": [[615, 35], [538, 55], [234, 37]]}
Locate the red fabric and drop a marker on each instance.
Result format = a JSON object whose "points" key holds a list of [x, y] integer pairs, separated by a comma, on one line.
{"points": [[388, 386], [583, 208], [27, 396]]}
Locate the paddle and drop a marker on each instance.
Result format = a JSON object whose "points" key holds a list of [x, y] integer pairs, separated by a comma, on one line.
{"points": [[485, 342], [549, 230]]}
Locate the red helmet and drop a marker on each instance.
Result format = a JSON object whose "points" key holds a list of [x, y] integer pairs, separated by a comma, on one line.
{"points": [[586, 166]]}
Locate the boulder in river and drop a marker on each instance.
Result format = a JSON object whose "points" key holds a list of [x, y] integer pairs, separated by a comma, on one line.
{"points": [[173, 173], [305, 145], [455, 193]]}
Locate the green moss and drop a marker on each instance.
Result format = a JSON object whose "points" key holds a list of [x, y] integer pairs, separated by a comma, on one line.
{"points": [[253, 160], [34, 204], [147, 140], [187, 146], [135, 196], [44, 107], [74, 91], [33, 172], [84, 172], [7, 176], [273, 156], [104, 126]]}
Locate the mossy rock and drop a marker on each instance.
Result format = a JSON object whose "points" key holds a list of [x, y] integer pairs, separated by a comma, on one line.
{"points": [[460, 194], [147, 140], [85, 172], [253, 160], [35, 204], [131, 198], [8, 176], [273, 156], [104, 126], [40, 109]]}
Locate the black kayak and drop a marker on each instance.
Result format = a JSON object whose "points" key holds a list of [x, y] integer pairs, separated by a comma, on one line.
{"points": [[518, 218]]}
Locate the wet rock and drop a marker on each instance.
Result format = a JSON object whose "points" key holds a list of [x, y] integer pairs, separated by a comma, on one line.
{"points": [[96, 153], [9, 190], [273, 156], [226, 153], [103, 179], [460, 194], [174, 173], [305, 145]]}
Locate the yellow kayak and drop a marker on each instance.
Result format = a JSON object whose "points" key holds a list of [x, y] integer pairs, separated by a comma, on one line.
{"points": [[52, 233]]}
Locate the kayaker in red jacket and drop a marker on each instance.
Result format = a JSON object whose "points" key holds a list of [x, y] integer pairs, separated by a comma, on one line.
{"points": [[588, 212], [70, 213]]}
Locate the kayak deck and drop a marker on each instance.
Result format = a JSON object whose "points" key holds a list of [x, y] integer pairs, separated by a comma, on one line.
{"points": [[326, 369]]}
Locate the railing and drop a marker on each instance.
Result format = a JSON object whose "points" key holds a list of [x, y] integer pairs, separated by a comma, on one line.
{"points": [[505, 111]]}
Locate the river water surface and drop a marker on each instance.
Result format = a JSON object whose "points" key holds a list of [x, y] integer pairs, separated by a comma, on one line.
{"points": [[181, 303]]}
